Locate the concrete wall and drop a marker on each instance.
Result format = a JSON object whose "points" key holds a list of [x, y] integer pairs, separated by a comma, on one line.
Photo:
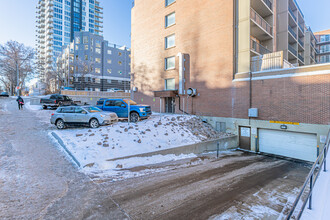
{"points": [[232, 125], [198, 148]]}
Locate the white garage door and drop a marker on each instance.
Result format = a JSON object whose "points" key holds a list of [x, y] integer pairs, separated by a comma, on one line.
{"points": [[290, 144]]}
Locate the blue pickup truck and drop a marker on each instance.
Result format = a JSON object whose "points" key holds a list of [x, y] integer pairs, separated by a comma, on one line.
{"points": [[120, 107]]}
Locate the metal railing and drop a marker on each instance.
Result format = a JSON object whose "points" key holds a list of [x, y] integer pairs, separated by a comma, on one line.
{"points": [[301, 27], [261, 22], [269, 4], [292, 32], [301, 42], [292, 14], [292, 50], [258, 47], [301, 58], [317, 166]]}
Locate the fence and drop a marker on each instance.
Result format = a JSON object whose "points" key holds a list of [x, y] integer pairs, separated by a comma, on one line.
{"points": [[96, 94], [269, 61], [311, 179]]}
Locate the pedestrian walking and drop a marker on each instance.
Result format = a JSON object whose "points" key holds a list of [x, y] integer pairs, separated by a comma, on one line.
{"points": [[20, 102]]}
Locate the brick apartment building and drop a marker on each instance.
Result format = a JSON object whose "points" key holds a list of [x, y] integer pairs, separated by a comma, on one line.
{"points": [[177, 45]]}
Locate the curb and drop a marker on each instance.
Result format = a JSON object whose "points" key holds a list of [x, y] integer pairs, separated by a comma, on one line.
{"points": [[65, 148]]}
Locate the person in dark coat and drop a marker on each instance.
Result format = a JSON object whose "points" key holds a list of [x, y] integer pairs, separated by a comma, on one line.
{"points": [[20, 102]]}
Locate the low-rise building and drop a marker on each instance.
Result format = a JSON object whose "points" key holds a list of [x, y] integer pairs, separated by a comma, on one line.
{"points": [[94, 64]]}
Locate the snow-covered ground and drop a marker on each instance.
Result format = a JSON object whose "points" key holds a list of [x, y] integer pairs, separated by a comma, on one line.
{"points": [[97, 149], [321, 198]]}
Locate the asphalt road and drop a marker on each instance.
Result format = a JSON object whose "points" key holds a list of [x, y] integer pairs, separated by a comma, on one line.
{"points": [[36, 179], [38, 182]]}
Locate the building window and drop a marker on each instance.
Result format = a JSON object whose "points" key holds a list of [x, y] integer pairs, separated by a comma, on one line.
{"points": [[98, 50], [169, 84], [76, 57], [98, 43], [77, 40], [119, 54], [169, 63], [169, 2], [109, 80], [120, 72], [77, 47], [97, 80], [85, 40], [109, 52], [97, 90], [98, 60], [86, 47], [109, 61], [109, 71], [120, 63], [97, 70], [86, 57], [170, 19], [170, 41]]}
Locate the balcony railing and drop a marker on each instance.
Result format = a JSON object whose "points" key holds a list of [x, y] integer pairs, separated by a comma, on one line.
{"points": [[292, 50], [259, 48], [261, 22], [301, 58], [292, 14], [269, 4], [292, 32], [301, 27], [301, 42]]}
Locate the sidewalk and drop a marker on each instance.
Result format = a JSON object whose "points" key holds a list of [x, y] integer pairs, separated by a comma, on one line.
{"points": [[321, 198]]}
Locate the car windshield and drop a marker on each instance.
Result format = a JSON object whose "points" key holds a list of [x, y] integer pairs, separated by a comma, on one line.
{"points": [[92, 109], [66, 98], [130, 101]]}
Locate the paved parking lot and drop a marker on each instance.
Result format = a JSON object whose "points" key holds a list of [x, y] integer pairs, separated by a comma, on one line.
{"points": [[38, 182]]}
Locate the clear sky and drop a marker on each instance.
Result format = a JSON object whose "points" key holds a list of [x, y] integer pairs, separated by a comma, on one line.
{"points": [[17, 19]]}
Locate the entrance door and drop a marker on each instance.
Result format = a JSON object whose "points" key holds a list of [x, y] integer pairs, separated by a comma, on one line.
{"points": [[169, 104], [245, 138]]}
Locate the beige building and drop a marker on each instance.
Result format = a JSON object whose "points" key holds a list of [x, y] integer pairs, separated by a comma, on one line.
{"points": [[310, 47], [267, 26]]}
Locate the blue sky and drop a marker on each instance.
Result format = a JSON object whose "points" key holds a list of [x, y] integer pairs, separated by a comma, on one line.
{"points": [[17, 19]]}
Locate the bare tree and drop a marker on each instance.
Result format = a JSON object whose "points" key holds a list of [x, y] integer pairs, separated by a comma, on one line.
{"points": [[81, 69], [16, 64]]}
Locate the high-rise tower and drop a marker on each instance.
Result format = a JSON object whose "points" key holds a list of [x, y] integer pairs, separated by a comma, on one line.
{"points": [[57, 20]]}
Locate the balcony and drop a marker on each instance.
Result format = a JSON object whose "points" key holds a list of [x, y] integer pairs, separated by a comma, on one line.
{"points": [[258, 48], [301, 58], [292, 50], [301, 27], [301, 42], [292, 14], [262, 30], [292, 32]]}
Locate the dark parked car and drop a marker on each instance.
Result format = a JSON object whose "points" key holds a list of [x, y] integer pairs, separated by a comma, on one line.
{"points": [[4, 94], [55, 101]]}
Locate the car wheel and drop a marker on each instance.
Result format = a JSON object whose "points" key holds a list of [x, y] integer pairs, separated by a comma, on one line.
{"points": [[60, 124], [60, 104], [44, 107], [94, 123], [134, 117]]}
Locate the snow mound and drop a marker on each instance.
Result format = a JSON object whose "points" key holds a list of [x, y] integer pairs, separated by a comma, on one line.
{"points": [[95, 148]]}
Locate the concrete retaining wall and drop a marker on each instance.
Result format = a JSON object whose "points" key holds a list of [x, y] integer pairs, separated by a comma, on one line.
{"points": [[199, 148]]}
